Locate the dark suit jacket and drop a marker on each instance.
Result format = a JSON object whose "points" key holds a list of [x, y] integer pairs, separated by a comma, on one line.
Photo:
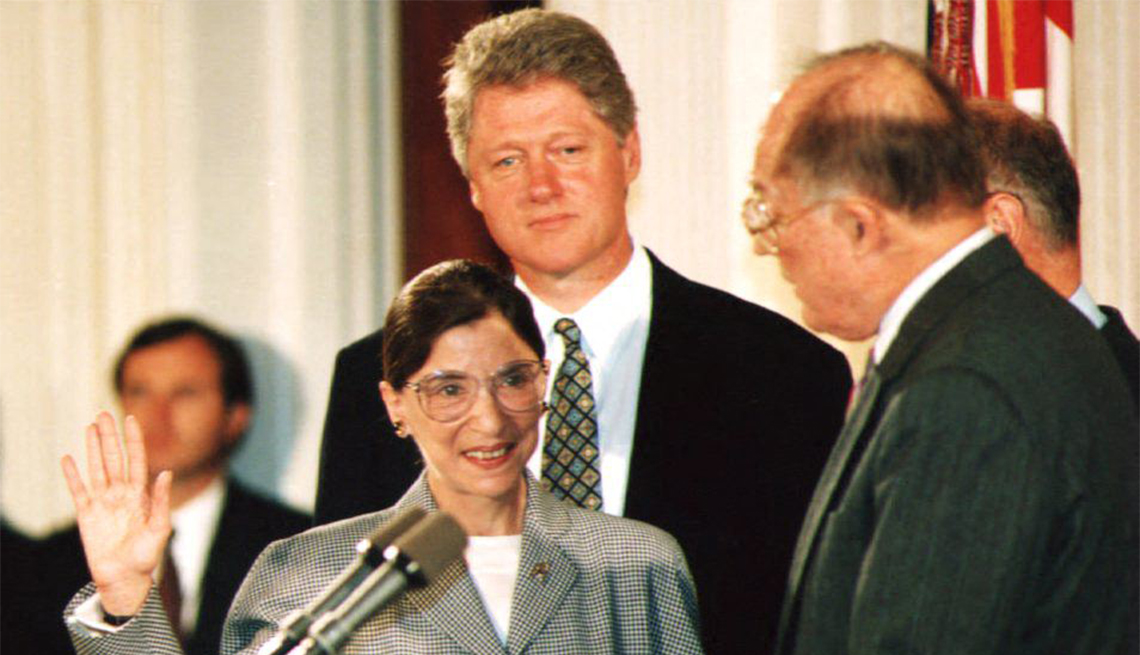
{"points": [[738, 408], [20, 567], [608, 585], [1124, 347], [980, 498], [248, 523]]}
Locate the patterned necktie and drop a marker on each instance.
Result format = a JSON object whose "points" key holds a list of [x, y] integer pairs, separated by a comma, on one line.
{"points": [[570, 458], [170, 591]]}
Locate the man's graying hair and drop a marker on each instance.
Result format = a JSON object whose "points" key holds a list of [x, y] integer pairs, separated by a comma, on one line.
{"points": [[880, 120], [1026, 156], [524, 47]]}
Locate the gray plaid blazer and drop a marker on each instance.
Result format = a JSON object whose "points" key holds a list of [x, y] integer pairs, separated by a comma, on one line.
{"points": [[588, 583]]}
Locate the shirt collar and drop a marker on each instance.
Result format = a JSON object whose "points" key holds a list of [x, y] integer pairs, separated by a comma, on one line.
{"points": [[923, 282], [194, 524], [1083, 300], [629, 294]]}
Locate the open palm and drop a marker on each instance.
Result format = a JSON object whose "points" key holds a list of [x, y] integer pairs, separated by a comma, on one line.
{"points": [[123, 519]]}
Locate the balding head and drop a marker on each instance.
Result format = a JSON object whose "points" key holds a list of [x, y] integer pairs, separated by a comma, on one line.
{"points": [[866, 173], [879, 121]]}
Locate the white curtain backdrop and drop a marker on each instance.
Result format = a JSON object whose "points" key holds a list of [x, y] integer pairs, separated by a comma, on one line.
{"points": [[1107, 149], [221, 158], [232, 158]]}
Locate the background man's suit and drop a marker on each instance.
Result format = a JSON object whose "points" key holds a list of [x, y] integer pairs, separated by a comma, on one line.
{"points": [[608, 586], [738, 409], [981, 498], [20, 605], [1124, 347], [248, 523]]}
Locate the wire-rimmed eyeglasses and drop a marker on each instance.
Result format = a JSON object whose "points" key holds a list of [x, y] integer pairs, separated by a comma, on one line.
{"points": [[765, 226], [517, 386]]}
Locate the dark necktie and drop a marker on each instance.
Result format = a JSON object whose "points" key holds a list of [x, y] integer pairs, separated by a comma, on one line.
{"points": [[170, 591], [861, 383], [570, 458]]}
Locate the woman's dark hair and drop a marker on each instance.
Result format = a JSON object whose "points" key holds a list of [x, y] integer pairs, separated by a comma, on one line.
{"points": [[448, 295]]}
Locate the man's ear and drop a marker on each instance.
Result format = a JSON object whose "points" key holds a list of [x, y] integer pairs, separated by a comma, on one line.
{"points": [[862, 222], [237, 421], [631, 155], [393, 402], [1005, 214], [473, 191]]}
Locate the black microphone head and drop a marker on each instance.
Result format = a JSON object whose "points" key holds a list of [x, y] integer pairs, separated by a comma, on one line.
{"points": [[372, 547], [432, 544]]}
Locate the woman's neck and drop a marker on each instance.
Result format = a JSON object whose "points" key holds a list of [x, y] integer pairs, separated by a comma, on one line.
{"points": [[483, 516]]}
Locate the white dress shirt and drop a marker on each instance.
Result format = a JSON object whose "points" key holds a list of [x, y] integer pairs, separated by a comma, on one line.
{"points": [[615, 328], [493, 563], [195, 526], [1083, 300], [923, 282]]}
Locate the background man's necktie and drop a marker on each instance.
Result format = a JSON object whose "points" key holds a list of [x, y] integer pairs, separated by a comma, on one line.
{"points": [[571, 458]]}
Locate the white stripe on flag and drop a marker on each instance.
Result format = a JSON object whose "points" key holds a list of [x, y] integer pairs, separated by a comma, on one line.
{"points": [[1059, 80], [981, 48]]}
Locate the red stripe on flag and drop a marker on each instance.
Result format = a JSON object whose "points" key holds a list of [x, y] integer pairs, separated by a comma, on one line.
{"points": [[995, 61], [1029, 35], [1061, 13], [1015, 41]]}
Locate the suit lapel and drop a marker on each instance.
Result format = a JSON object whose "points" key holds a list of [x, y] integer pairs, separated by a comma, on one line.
{"points": [[960, 283], [546, 574], [837, 463], [650, 454], [451, 603], [225, 569], [454, 607]]}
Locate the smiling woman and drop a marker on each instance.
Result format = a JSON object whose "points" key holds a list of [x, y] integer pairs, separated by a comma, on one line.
{"points": [[464, 380], [475, 438]]}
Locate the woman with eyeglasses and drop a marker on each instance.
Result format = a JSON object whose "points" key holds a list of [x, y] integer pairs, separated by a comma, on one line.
{"points": [[464, 379]]}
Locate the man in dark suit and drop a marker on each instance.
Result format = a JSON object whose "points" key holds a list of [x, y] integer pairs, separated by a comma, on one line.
{"points": [[190, 387], [714, 415], [1036, 203], [980, 498]]}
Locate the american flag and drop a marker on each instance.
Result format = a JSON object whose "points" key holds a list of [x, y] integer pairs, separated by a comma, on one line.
{"points": [[1016, 50]]}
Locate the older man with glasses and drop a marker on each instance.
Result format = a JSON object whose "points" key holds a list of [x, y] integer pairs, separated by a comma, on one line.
{"points": [[981, 497]]}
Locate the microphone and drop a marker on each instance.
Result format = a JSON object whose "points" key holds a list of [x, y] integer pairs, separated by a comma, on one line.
{"points": [[414, 560], [370, 555]]}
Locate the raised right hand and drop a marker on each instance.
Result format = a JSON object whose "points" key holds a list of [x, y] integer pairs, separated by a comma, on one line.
{"points": [[123, 520]]}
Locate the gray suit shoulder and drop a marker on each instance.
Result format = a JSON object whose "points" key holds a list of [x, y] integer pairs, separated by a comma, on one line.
{"points": [[604, 538]]}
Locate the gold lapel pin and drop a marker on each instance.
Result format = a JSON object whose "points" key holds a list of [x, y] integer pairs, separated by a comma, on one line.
{"points": [[540, 570]]}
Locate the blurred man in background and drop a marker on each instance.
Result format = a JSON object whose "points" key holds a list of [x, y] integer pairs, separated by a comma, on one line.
{"points": [[191, 389]]}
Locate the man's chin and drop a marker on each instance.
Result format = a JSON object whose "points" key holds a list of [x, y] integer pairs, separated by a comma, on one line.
{"points": [[551, 268], [838, 329], [816, 322]]}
